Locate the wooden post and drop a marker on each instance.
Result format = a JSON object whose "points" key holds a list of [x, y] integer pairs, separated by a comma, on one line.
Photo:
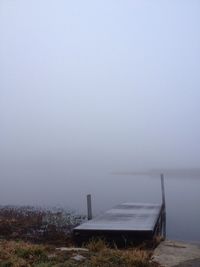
{"points": [[89, 207], [163, 205]]}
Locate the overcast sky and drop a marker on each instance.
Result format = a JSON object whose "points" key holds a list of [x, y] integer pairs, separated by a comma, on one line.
{"points": [[91, 86]]}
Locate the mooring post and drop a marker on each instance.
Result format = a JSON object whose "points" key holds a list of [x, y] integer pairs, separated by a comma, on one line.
{"points": [[89, 207], [163, 205]]}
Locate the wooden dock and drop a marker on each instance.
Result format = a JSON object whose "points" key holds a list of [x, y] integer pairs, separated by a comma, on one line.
{"points": [[127, 221], [135, 222]]}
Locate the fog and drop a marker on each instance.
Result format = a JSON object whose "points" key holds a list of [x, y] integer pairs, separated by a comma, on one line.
{"points": [[91, 88]]}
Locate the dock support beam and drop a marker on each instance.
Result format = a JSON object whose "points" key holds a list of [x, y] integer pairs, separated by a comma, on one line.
{"points": [[89, 207], [163, 205]]}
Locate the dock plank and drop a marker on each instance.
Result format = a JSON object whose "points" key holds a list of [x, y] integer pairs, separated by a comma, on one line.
{"points": [[125, 217]]}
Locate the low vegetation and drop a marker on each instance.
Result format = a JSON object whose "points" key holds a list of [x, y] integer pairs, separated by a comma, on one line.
{"points": [[97, 254], [35, 237], [38, 225]]}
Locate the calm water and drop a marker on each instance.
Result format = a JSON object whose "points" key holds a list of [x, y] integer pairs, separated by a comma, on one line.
{"points": [[70, 190], [182, 199]]}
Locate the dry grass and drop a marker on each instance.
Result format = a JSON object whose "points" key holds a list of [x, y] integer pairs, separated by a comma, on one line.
{"points": [[19, 254], [37, 224], [23, 254], [49, 227], [97, 245], [105, 256]]}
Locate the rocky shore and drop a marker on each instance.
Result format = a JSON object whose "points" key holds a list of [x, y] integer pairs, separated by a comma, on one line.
{"points": [[177, 254]]}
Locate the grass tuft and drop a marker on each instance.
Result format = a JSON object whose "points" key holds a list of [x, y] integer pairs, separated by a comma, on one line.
{"points": [[96, 245]]}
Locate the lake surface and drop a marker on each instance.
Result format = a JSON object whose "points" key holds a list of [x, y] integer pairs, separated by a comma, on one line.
{"points": [[182, 199], [70, 189]]}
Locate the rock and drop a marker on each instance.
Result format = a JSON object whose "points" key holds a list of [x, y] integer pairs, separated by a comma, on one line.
{"points": [[78, 257], [51, 256], [176, 253], [72, 249]]}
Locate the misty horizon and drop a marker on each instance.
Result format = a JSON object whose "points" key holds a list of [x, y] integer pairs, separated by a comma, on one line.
{"points": [[91, 89]]}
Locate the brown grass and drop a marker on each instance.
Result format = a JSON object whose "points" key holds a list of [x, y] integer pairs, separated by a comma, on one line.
{"points": [[37, 224], [97, 245], [23, 254], [106, 256]]}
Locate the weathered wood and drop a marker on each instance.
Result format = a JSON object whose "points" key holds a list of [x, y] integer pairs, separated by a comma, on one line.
{"points": [[162, 188], [164, 205], [89, 207]]}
